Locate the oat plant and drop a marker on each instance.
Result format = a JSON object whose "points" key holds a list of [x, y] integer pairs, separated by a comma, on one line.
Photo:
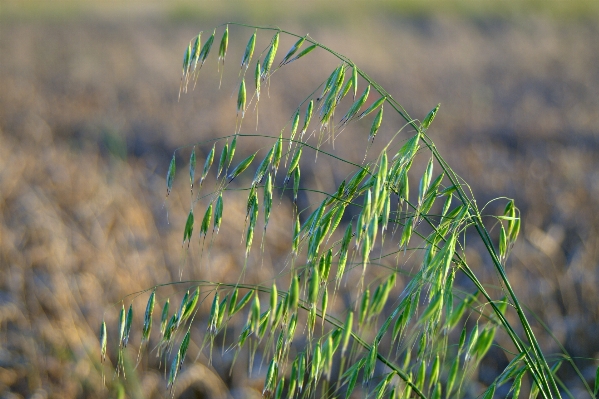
{"points": [[376, 297]]}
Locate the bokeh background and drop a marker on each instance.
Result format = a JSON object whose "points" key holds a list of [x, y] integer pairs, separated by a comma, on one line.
{"points": [[89, 118]]}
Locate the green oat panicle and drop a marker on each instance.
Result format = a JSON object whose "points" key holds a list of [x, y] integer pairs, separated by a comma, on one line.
{"points": [[430, 361]]}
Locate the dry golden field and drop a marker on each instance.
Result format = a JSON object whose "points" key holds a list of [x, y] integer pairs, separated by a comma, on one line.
{"points": [[89, 119]]}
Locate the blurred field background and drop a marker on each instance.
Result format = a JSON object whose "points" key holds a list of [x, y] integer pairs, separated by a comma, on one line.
{"points": [[89, 119]]}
